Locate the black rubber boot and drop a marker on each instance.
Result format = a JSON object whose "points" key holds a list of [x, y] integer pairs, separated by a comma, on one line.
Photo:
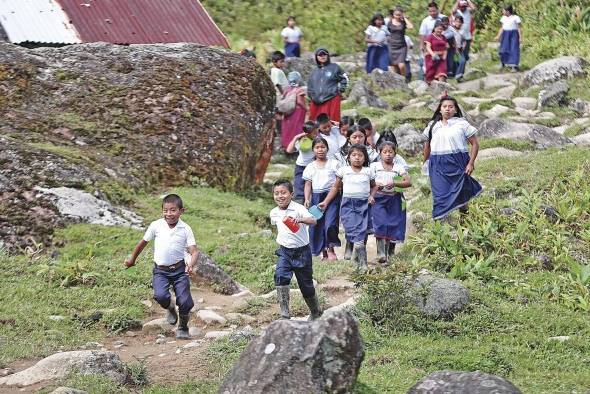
{"points": [[314, 307], [283, 297], [391, 250], [382, 249], [182, 330], [361, 259], [348, 250], [171, 315]]}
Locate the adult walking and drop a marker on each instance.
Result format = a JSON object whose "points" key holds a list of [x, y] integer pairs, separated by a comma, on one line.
{"points": [[398, 49], [427, 24], [291, 35], [465, 9], [435, 54], [450, 160], [376, 38], [510, 37], [325, 86], [293, 122]]}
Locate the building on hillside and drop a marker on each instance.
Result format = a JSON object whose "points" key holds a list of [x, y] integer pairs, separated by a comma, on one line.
{"points": [[61, 22]]}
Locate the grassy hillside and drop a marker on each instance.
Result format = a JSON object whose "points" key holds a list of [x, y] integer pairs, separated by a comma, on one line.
{"points": [[551, 27]]}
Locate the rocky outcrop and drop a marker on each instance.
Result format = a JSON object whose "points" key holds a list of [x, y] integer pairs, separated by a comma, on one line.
{"points": [[207, 270], [387, 80], [304, 65], [300, 357], [83, 362], [556, 69], [110, 119], [463, 382], [362, 95], [439, 297], [409, 140], [541, 136], [554, 94]]}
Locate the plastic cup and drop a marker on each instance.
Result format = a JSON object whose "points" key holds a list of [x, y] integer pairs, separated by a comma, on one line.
{"points": [[316, 212], [291, 224]]}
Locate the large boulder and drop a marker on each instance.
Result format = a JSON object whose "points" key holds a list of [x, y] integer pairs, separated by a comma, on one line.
{"points": [[556, 69], [409, 140], [304, 65], [477, 382], [541, 136], [554, 94], [111, 119], [387, 80], [59, 365], [300, 357], [363, 96], [439, 297], [582, 139]]}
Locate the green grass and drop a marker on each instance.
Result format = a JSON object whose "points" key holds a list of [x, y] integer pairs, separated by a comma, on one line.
{"points": [[576, 129], [486, 143], [490, 104]]}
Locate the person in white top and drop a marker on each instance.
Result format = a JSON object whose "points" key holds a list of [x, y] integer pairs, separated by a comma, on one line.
{"points": [[376, 38], [291, 35], [294, 254], [510, 37], [427, 24], [172, 238], [331, 133], [465, 9], [277, 75], [319, 177], [302, 143]]}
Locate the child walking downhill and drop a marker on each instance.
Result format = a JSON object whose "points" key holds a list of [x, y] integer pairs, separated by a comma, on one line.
{"points": [[319, 177], [302, 143], [510, 37], [358, 188], [294, 254], [389, 211], [172, 237]]}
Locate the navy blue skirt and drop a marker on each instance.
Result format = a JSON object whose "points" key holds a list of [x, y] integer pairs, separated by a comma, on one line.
{"points": [[389, 217], [510, 48], [354, 213], [292, 49], [377, 57], [325, 233], [298, 184], [451, 187]]}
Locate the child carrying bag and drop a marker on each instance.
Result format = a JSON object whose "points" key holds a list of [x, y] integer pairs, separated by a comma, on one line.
{"points": [[288, 102]]}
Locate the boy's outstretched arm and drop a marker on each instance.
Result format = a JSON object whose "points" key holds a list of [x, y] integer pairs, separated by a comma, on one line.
{"points": [[194, 256], [138, 249]]}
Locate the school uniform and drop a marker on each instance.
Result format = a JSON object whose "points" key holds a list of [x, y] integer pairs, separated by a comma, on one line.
{"points": [[294, 253], [325, 233], [466, 30], [457, 61], [292, 36], [354, 207], [305, 157], [510, 41], [278, 78], [335, 141], [389, 210], [451, 187], [377, 54], [169, 267]]}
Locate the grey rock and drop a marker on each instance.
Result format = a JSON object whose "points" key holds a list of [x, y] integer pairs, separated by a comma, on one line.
{"points": [[195, 332], [266, 233], [362, 95], [508, 211], [528, 103], [582, 139], [409, 139], [239, 318], [160, 325], [496, 111], [550, 212], [473, 73], [505, 92], [300, 357], [68, 390], [556, 69], [302, 65], [580, 106], [211, 318], [542, 136], [209, 271], [419, 87], [477, 382], [246, 333], [554, 94], [438, 88], [388, 80], [83, 362], [217, 334], [545, 262], [439, 297]]}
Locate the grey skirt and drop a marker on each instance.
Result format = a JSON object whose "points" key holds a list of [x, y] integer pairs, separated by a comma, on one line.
{"points": [[397, 55]]}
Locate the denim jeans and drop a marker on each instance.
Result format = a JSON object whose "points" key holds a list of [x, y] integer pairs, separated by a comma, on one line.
{"points": [[179, 280]]}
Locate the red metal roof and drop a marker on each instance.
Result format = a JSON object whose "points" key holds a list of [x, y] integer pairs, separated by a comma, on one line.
{"points": [[143, 21]]}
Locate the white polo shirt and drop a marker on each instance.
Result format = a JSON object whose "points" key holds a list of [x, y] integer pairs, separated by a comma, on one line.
{"points": [[170, 243], [384, 176], [355, 184], [286, 237], [451, 138], [322, 178], [335, 141], [292, 35], [428, 24]]}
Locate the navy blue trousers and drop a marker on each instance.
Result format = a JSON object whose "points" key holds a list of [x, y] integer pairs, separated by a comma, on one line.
{"points": [[179, 280], [298, 184], [325, 233], [297, 261]]}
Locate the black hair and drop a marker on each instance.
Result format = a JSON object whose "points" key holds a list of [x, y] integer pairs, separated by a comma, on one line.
{"points": [[346, 120], [290, 18], [173, 199], [510, 9], [444, 19], [433, 4], [436, 24], [387, 143], [459, 18], [319, 140], [438, 116], [375, 17], [323, 118], [351, 130], [309, 126], [365, 124], [283, 182], [386, 135], [361, 148], [276, 56]]}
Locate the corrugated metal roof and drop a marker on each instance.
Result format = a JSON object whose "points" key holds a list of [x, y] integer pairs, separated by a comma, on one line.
{"points": [[143, 21], [36, 21]]}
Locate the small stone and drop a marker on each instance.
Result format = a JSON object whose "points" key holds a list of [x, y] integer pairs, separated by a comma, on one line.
{"points": [[195, 332], [68, 390], [161, 354], [266, 233], [92, 345], [561, 338], [525, 102], [160, 341], [496, 111], [213, 308], [200, 300], [217, 334], [56, 318], [147, 303], [210, 317], [157, 326], [269, 348], [119, 344], [6, 371], [131, 334], [239, 318], [191, 345]]}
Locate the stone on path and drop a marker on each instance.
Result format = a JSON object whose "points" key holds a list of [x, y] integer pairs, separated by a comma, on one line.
{"points": [[477, 100], [388, 80], [210, 317], [239, 318], [477, 382], [505, 92], [419, 87], [212, 273], [195, 332], [493, 153], [300, 357], [439, 297], [159, 325], [83, 362], [68, 390], [217, 334], [362, 95], [345, 306], [553, 95], [580, 106], [496, 111], [556, 69], [437, 88], [582, 139], [542, 136], [529, 103]]}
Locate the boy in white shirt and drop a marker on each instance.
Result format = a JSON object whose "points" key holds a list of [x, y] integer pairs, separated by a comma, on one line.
{"points": [[277, 75], [291, 35], [172, 237], [294, 251]]}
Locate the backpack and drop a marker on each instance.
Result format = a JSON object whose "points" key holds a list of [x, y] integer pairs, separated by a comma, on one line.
{"points": [[288, 102]]}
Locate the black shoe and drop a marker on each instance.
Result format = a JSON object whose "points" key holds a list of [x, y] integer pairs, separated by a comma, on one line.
{"points": [[314, 307], [171, 315], [182, 330]]}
